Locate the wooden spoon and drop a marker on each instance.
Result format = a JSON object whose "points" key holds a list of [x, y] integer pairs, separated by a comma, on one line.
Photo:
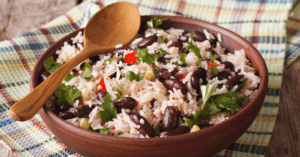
{"points": [[114, 24]]}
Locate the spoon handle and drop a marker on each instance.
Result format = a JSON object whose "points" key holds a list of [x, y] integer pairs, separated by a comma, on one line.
{"points": [[27, 107]]}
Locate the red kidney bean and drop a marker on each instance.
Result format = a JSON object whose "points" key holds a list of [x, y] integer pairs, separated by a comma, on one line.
{"points": [[222, 75], [101, 96], [195, 82], [204, 126], [213, 52], [201, 73], [66, 115], [164, 60], [65, 107], [235, 80], [213, 42], [164, 73], [52, 105], [178, 131], [199, 36], [95, 59], [177, 44], [174, 83], [84, 111], [120, 51], [82, 65], [74, 71], [78, 98], [147, 41], [145, 128], [152, 103], [45, 75], [126, 103], [228, 65], [169, 118]]}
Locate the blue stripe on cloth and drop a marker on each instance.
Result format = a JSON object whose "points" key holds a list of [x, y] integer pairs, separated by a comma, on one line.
{"points": [[6, 122], [259, 150], [61, 153], [266, 104], [273, 92]]}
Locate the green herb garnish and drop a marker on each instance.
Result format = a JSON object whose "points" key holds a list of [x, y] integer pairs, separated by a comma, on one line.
{"points": [[155, 22], [110, 59], [157, 132], [117, 88], [194, 48], [80, 107], [163, 52], [55, 67], [205, 109], [48, 63], [214, 69], [69, 77], [105, 130], [91, 129], [66, 94], [162, 39], [155, 72], [87, 72], [109, 111], [213, 57], [241, 85], [132, 76], [226, 102], [146, 57], [54, 138], [199, 63]]}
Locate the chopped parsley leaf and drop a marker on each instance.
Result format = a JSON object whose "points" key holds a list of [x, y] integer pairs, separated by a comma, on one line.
{"points": [[80, 107], [163, 52], [87, 72], [194, 48], [155, 72], [48, 63], [144, 56], [55, 67], [241, 85], [66, 94], [105, 130], [91, 129], [199, 63], [157, 132], [155, 57], [110, 59], [155, 22], [214, 69], [109, 111], [117, 88], [129, 75], [69, 77], [213, 57]]}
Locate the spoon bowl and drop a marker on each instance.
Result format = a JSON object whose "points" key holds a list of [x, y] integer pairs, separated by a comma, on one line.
{"points": [[114, 24]]}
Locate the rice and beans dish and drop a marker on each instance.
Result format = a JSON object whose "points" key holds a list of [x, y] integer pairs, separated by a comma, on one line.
{"points": [[165, 83]]}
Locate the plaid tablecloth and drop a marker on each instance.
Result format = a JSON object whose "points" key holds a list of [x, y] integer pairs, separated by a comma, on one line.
{"points": [[272, 26]]}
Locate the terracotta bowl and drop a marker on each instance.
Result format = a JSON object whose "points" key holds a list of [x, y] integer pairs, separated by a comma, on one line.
{"points": [[202, 143]]}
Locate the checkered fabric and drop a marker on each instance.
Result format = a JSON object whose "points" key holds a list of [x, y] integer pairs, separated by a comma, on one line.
{"points": [[264, 23]]}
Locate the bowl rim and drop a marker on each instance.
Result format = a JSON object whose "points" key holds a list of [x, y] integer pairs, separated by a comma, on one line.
{"points": [[252, 105]]}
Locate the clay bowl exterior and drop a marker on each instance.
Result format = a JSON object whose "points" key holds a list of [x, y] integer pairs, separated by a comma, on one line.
{"points": [[202, 143]]}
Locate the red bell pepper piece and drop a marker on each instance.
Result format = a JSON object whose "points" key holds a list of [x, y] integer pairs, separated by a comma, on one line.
{"points": [[102, 84], [130, 58]]}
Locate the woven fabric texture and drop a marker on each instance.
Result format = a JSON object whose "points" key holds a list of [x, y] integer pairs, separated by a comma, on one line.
{"points": [[264, 23]]}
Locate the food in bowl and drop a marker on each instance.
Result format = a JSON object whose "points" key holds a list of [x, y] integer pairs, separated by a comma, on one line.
{"points": [[165, 83]]}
